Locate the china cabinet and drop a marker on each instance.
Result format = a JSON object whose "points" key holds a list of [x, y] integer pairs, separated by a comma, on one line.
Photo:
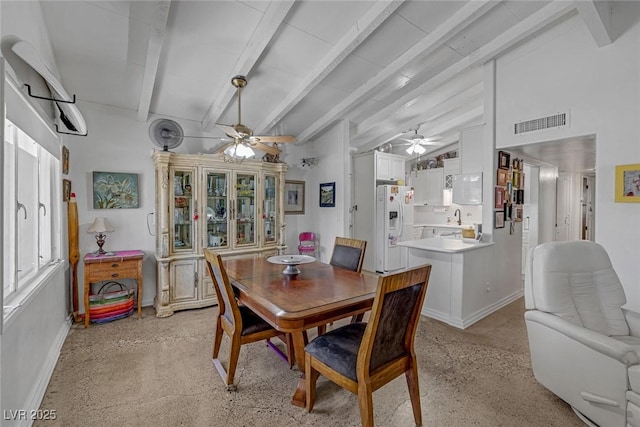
{"points": [[203, 201]]}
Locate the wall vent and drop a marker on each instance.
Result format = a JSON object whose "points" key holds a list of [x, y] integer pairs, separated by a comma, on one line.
{"points": [[555, 121]]}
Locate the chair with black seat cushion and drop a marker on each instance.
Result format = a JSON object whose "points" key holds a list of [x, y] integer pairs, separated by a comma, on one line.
{"points": [[241, 324], [348, 253], [362, 357]]}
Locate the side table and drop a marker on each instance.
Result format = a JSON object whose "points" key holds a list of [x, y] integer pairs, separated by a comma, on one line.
{"points": [[120, 265]]}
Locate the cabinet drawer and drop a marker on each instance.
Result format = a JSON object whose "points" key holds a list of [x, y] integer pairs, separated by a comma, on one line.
{"points": [[112, 270]]}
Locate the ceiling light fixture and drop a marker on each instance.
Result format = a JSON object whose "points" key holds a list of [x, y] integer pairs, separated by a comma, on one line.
{"points": [[239, 152], [416, 148]]}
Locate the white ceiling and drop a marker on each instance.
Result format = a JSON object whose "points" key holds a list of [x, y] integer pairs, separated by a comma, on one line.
{"points": [[386, 66]]}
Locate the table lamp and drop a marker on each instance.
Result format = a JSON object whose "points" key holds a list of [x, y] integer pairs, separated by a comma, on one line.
{"points": [[100, 225]]}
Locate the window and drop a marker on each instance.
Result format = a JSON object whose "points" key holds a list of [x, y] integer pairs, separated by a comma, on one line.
{"points": [[31, 235]]}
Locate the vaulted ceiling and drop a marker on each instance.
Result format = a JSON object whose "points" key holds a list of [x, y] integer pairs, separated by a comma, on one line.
{"points": [[387, 67]]}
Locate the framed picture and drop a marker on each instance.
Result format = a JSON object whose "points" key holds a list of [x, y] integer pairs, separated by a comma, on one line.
{"points": [[499, 219], [504, 159], [65, 160], [499, 197], [627, 184], [518, 217], [294, 197], [113, 190], [328, 195], [502, 177], [66, 190]]}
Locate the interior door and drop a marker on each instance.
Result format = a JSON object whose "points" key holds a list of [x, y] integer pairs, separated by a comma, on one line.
{"points": [[563, 207]]}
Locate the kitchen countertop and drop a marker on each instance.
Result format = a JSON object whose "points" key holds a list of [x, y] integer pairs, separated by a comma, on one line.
{"points": [[438, 244]]}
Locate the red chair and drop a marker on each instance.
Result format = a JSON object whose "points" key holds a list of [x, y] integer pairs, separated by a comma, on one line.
{"points": [[307, 243]]}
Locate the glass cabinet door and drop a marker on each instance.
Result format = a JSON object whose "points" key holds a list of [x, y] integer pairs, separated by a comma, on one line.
{"points": [[245, 209], [270, 226], [216, 211], [182, 210]]}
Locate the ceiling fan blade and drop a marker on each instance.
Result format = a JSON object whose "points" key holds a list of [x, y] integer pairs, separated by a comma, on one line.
{"points": [[276, 138], [229, 130], [264, 147]]}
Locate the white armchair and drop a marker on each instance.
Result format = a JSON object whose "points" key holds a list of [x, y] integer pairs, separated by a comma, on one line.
{"points": [[585, 347]]}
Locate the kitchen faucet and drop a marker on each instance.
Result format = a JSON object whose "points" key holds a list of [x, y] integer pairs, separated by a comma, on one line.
{"points": [[457, 212]]}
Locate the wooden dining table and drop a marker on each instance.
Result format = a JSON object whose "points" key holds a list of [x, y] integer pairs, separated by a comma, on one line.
{"points": [[319, 294]]}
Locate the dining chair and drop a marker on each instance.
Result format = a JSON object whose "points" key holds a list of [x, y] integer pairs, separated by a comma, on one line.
{"points": [[239, 322], [362, 357], [307, 243], [349, 254]]}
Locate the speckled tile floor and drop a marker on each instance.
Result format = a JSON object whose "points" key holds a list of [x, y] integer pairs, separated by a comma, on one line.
{"points": [[158, 372]]}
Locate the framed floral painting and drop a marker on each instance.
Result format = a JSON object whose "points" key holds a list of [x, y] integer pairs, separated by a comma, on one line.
{"points": [[114, 190]]}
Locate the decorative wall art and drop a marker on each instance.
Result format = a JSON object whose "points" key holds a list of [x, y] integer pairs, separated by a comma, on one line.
{"points": [[502, 177], [328, 195], [294, 197], [519, 211], [499, 219], [65, 160], [66, 190], [112, 190], [504, 160], [627, 183], [499, 197]]}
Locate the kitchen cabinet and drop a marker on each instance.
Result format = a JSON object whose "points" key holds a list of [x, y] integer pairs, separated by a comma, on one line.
{"points": [[461, 286], [428, 185], [389, 167], [451, 168], [205, 202]]}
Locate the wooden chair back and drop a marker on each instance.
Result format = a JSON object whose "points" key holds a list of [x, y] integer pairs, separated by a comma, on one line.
{"points": [[348, 253], [393, 321], [227, 305]]}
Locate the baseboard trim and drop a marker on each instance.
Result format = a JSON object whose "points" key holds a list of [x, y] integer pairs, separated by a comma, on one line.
{"points": [[478, 315], [40, 387], [481, 314]]}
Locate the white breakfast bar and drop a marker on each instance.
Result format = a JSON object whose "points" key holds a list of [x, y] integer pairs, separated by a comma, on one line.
{"points": [[459, 291]]}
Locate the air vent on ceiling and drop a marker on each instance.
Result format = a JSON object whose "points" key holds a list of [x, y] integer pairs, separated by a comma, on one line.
{"points": [[555, 121]]}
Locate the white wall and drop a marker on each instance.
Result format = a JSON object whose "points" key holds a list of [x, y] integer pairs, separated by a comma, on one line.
{"points": [[563, 69], [331, 150], [116, 142]]}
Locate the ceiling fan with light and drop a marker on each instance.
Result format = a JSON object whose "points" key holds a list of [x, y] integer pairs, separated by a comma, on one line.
{"points": [[242, 136], [417, 142], [240, 141]]}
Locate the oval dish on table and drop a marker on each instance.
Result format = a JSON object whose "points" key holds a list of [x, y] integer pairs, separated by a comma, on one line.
{"points": [[291, 261]]}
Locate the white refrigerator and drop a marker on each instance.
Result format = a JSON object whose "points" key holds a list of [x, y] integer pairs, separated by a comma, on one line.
{"points": [[394, 224]]}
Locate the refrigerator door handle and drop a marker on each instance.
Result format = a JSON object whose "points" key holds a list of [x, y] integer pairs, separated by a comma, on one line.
{"points": [[400, 220]]}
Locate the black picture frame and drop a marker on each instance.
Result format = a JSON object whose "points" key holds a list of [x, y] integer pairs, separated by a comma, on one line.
{"points": [[328, 195], [504, 160]]}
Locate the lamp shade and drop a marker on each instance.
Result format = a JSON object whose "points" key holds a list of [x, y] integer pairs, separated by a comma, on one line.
{"points": [[416, 148], [100, 225], [239, 151]]}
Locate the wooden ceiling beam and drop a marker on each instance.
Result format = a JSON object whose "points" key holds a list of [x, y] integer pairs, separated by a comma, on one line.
{"points": [[272, 19], [597, 16], [431, 119], [378, 14], [499, 45], [460, 20], [154, 49]]}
